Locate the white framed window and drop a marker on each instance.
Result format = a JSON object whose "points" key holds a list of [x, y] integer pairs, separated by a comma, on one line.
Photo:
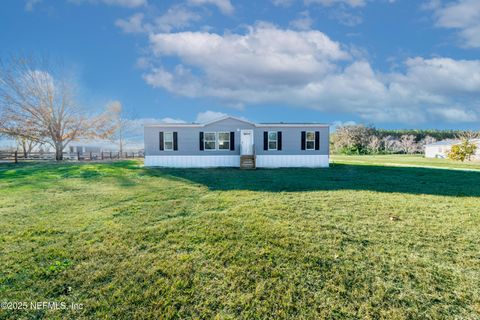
{"points": [[210, 141], [168, 141], [272, 140], [310, 140], [224, 140]]}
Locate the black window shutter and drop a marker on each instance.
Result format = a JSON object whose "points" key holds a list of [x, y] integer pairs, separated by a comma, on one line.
{"points": [[175, 141], [317, 140], [201, 141], [161, 141], [303, 140], [265, 140], [279, 140], [232, 140]]}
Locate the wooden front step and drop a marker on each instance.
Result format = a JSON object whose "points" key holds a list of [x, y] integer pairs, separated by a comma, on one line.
{"points": [[247, 162]]}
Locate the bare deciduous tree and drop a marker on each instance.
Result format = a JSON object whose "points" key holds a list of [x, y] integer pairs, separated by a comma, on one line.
{"points": [[468, 135], [427, 140], [390, 144], [37, 103], [123, 124], [374, 144], [352, 138], [26, 145], [407, 144]]}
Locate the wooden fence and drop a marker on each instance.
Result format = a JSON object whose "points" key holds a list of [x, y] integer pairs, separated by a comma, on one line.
{"points": [[15, 156]]}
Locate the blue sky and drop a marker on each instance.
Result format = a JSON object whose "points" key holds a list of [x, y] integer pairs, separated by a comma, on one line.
{"points": [[391, 63]]}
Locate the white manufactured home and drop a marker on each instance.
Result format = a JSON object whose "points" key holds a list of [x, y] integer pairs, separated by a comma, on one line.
{"points": [[233, 142], [440, 149]]}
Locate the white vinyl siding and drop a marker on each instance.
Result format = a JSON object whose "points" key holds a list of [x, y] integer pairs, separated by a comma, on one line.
{"points": [[262, 161], [292, 161], [207, 161]]}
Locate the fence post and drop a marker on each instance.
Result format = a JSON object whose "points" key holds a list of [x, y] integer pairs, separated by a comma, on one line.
{"points": [[16, 156], [133, 155], [78, 155], [101, 153], [90, 155], [118, 155], [110, 154]]}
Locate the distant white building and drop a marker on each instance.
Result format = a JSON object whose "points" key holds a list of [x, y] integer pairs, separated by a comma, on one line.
{"points": [[440, 149], [98, 146], [85, 146]]}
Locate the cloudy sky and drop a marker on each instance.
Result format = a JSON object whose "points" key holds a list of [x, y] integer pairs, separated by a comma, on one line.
{"points": [[392, 63]]}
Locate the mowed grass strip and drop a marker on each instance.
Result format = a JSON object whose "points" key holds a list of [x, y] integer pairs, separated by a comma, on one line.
{"points": [[406, 160], [351, 241]]}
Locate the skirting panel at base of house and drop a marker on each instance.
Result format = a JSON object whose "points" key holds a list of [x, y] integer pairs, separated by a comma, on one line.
{"points": [[292, 161], [262, 161], [192, 161]]}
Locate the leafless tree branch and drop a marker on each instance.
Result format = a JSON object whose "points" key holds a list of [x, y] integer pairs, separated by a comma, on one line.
{"points": [[37, 104]]}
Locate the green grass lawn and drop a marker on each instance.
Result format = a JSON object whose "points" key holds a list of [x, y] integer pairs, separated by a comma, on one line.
{"points": [[406, 160], [352, 241]]}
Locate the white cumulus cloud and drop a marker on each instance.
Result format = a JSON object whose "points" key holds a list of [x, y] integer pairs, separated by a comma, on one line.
{"points": [[225, 6], [267, 64], [352, 3], [327, 3], [176, 17], [461, 15], [126, 3], [443, 75], [207, 116], [303, 22], [121, 3], [264, 54], [134, 24], [454, 114]]}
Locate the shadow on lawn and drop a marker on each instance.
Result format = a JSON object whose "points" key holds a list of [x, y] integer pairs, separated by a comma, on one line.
{"points": [[43, 174], [338, 177]]}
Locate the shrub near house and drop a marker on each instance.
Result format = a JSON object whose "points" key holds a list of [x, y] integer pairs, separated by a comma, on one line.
{"points": [[463, 151]]}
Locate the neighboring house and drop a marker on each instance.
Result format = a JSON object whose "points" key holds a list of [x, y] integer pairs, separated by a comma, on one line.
{"points": [[97, 146], [81, 149], [233, 142], [440, 149]]}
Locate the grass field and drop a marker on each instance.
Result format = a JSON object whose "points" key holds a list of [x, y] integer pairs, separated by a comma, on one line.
{"points": [[406, 161], [363, 239]]}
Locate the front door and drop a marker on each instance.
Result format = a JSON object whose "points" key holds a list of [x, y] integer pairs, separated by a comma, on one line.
{"points": [[246, 142]]}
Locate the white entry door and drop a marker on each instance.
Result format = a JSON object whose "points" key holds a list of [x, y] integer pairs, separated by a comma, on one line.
{"points": [[246, 142]]}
